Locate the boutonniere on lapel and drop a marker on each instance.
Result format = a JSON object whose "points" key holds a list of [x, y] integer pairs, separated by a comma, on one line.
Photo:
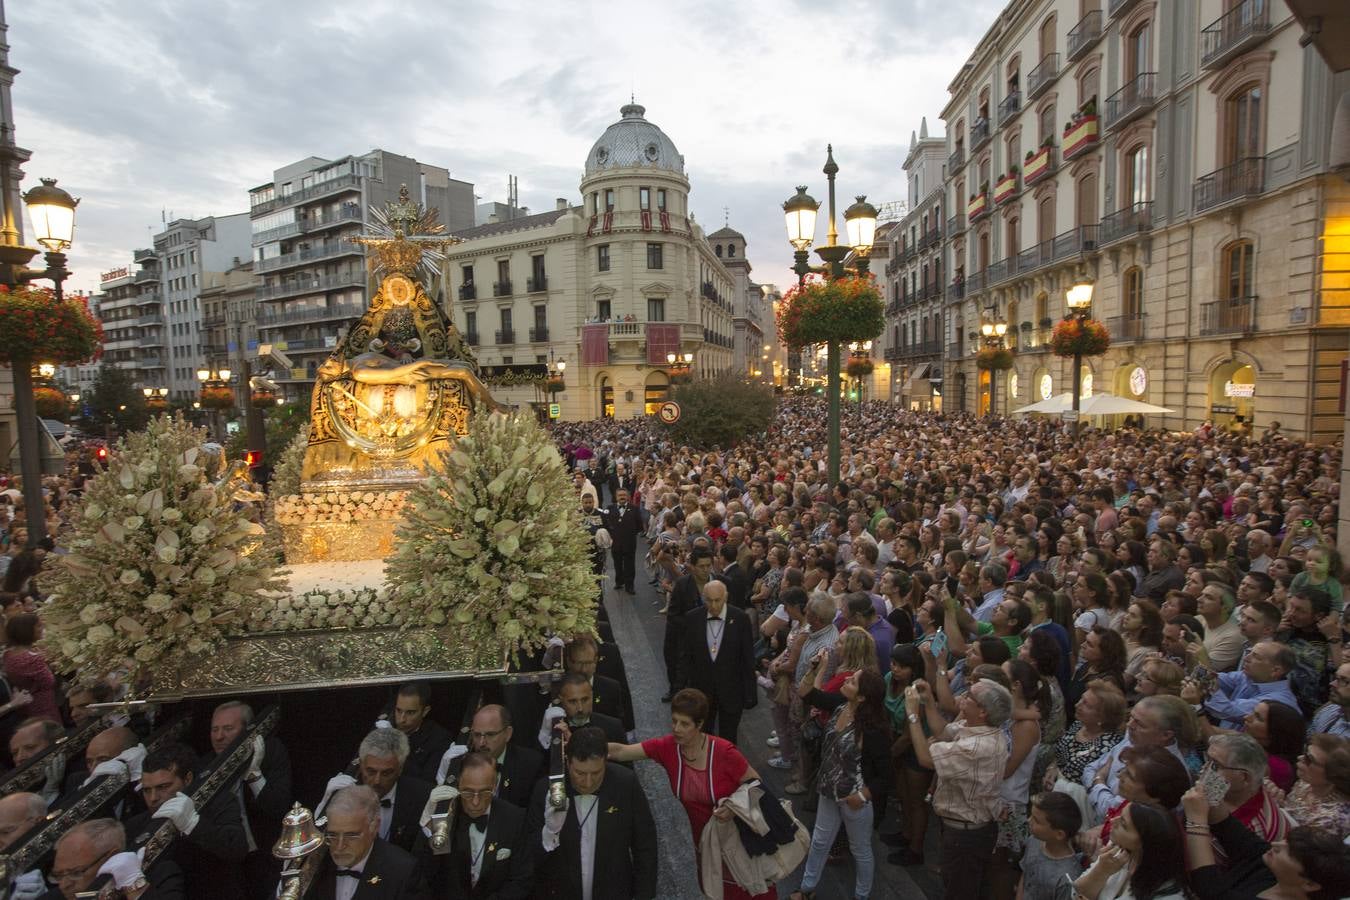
{"points": [[372, 880], [506, 783], [612, 809], [491, 849]]}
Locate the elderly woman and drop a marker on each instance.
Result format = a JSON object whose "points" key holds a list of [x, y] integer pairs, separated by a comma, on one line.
{"points": [[1322, 795]]}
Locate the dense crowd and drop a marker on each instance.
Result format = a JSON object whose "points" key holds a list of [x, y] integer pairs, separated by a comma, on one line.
{"points": [[1044, 665]]}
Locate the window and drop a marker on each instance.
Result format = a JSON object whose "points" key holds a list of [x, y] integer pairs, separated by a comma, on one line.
{"points": [[1047, 37], [602, 257], [471, 322], [609, 199], [656, 309], [654, 260], [731, 251], [537, 270], [1045, 129], [1014, 151], [1086, 205], [503, 270], [1243, 138], [1045, 219], [467, 272], [1238, 258], [1014, 238], [602, 310], [661, 199], [595, 203], [717, 250], [1132, 293], [541, 318], [1136, 176], [506, 319], [1089, 85], [1137, 52], [644, 198]]}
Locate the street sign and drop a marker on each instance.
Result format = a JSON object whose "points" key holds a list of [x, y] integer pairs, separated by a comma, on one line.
{"points": [[555, 410], [1070, 415], [668, 412]]}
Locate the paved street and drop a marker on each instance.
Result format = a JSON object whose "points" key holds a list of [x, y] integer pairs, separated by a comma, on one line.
{"points": [[639, 630]]}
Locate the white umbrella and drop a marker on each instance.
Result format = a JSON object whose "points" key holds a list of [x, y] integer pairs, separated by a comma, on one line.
{"points": [[1110, 405], [1050, 405]]}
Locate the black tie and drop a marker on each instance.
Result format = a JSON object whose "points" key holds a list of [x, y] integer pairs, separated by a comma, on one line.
{"points": [[387, 803], [348, 873], [480, 823]]}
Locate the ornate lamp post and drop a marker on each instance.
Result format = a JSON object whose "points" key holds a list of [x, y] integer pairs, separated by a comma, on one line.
{"points": [[860, 223], [156, 398], [992, 328], [215, 386], [679, 364], [53, 214], [1079, 300]]}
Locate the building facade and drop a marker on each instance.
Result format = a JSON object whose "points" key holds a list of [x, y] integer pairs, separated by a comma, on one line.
{"points": [[913, 280], [130, 306], [230, 323], [749, 306], [609, 286], [1177, 154], [314, 281]]}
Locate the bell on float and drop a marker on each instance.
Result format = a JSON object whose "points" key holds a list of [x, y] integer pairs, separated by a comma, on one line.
{"points": [[299, 837]]}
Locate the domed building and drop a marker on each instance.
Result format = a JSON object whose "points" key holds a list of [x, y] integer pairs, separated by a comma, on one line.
{"points": [[610, 287]]}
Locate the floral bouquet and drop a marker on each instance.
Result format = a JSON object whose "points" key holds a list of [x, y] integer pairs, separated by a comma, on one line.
{"points": [[338, 506], [363, 608], [997, 358], [494, 545], [35, 326], [217, 397], [1073, 337], [162, 563], [820, 311], [859, 367], [50, 403]]}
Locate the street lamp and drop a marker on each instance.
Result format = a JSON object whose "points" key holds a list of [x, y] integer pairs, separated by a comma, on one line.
{"points": [[860, 222], [215, 379], [679, 364], [1079, 300], [156, 398], [993, 327], [53, 215]]}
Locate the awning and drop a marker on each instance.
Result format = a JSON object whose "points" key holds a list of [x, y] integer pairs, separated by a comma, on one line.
{"points": [[919, 374]]}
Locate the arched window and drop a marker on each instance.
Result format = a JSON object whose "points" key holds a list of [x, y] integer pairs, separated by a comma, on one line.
{"points": [[731, 250], [1089, 85], [1045, 219], [1086, 201], [1132, 293], [1135, 177], [1138, 52], [718, 249], [1014, 242], [1243, 137], [1238, 261]]}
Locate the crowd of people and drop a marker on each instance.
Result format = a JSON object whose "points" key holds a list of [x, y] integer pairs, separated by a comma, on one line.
{"points": [[1100, 665], [1041, 665]]}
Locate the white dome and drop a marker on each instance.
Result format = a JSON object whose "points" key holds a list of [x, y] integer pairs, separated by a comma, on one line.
{"points": [[633, 142]]}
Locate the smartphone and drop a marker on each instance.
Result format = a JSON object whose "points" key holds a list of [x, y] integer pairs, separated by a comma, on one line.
{"points": [[938, 647], [1308, 523], [1213, 784]]}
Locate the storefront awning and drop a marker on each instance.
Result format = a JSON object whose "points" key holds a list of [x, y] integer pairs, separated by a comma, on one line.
{"points": [[919, 374]]}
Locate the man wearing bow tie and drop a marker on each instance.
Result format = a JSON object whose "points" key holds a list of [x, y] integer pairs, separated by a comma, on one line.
{"points": [[624, 523], [606, 812], [358, 865], [491, 856], [400, 797], [516, 768], [717, 656]]}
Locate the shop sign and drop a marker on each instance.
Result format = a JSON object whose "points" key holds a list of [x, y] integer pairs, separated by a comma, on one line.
{"points": [[1238, 390], [1047, 386], [555, 410], [1012, 384], [1222, 409]]}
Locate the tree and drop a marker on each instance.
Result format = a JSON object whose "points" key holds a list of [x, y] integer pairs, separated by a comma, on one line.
{"points": [[721, 411], [114, 401]]}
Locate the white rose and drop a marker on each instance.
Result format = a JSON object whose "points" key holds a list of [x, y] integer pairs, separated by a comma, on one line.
{"points": [[93, 511], [167, 554], [129, 577], [99, 634], [171, 515], [205, 575], [158, 603], [131, 523], [196, 645], [201, 614], [200, 533]]}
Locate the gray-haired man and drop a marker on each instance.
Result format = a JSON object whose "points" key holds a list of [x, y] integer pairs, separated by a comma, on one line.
{"points": [[401, 797]]}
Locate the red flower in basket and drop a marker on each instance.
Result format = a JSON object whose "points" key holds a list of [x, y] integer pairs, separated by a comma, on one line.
{"points": [[1072, 337]]}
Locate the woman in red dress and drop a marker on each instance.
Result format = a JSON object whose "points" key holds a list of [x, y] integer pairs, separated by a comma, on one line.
{"points": [[26, 668], [704, 770]]}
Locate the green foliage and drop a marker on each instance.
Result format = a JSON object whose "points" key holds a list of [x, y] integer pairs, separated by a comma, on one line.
{"points": [[280, 423], [721, 411], [113, 389], [493, 546], [843, 310]]}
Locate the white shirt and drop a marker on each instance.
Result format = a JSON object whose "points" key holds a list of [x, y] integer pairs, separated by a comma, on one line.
{"points": [[387, 813], [476, 851], [717, 627], [345, 888], [586, 819]]}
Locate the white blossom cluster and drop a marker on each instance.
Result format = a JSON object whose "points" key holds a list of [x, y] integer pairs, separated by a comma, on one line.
{"points": [[360, 608]]}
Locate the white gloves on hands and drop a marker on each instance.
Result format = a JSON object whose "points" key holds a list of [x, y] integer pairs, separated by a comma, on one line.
{"points": [[438, 795], [259, 751], [551, 715], [179, 810], [133, 759], [30, 886], [335, 784], [125, 867], [554, 819], [449, 756]]}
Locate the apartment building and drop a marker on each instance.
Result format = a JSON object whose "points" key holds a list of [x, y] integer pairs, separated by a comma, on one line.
{"points": [[314, 280], [130, 306], [230, 322], [1178, 154]]}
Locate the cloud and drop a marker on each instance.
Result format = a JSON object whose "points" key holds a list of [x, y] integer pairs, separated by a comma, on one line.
{"points": [[146, 107]]}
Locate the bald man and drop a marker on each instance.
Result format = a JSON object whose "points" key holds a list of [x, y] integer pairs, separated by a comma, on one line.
{"points": [[717, 656]]}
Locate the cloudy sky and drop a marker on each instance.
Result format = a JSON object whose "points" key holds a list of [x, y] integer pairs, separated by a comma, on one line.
{"points": [[147, 107]]}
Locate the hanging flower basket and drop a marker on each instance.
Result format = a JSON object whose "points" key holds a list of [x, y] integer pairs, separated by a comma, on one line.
{"points": [[555, 385], [680, 377], [859, 367], [35, 326], [219, 397], [263, 399], [1072, 338], [997, 358], [50, 403], [843, 310]]}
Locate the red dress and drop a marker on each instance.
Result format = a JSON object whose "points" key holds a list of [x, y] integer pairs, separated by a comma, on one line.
{"points": [[699, 790], [28, 670]]}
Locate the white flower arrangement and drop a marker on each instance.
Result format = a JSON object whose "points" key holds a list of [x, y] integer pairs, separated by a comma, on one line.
{"points": [[333, 609], [494, 545], [162, 561], [338, 506]]}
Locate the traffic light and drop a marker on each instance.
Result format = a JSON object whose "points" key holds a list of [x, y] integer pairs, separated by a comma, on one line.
{"points": [[254, 458], [102, 454]]}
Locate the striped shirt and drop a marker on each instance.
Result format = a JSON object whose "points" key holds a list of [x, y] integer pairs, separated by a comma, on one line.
{"points": [[1330, 719], [969, 767]]}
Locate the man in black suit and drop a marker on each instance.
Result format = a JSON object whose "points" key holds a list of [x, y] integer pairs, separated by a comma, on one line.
{"points": [[98, 846], [380, 763], [427, 740], [581, 656], [717, 656], [685, 595], [624, 525], [491, 854], [356, 855], [735, 578], [593, 519], [516, 768], [603, 846], [263, 792], [620, 480], [575, 707], [210, 847], [596, 475]]}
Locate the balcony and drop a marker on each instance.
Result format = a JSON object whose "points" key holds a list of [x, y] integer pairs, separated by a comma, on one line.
{"points": [[930, 238], [1044, 75], [309, 254], [955, 350], [294, 286], [956, 160], [506, 337], [151, 298], [300, 314], [1006, 188], [146, 276], [979, 135], [536, 285], [1244, 178], [1000, 271], [1009, 108], [1087, 32], [1038, 165], [313, 192], [957, 224], [208, 322], [975, 282], [501, 288], [1132, 101], [142, 255], [151, 362], [1242, 27], [1081, 136], [893, 308], [891, 354], [1124, 223], [920, 348], [1126, 329], [290, 229], [1118, 7], [539, 335], [977, 207], [319, 223], [471, 338], [468, 291], [1236, 316], [957, 289]]}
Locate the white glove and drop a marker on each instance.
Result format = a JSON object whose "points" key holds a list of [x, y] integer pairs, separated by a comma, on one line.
{"points": [[438, 794], [259, 751], [133, 759], [382, 722], [454, 753], [30, 885], [125, 867], [553, 826], [107, 767], [335, 784], [55, 770], [551, 715], [179, 810]]}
